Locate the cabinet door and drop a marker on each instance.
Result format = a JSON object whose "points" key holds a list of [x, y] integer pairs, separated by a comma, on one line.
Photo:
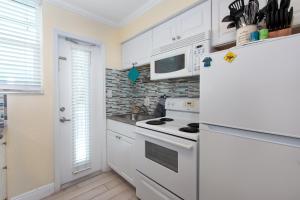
{"points": [[222, 35], [119, 155], [127, 55], [137, 51], [112, 144], [3, 176], [164, 34], [296, 5], [125, 159], [194, 21], [2, 170], [2, 154], [142, 48]]}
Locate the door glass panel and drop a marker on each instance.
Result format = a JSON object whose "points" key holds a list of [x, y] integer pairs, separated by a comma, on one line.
{"points": [[161, 155], [171, 64], [81, 61]]}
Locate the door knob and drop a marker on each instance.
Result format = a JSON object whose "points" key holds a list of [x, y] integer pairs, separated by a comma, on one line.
{"points": [[62, 109], [63, 120]]}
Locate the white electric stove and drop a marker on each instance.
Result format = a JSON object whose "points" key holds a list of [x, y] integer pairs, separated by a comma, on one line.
{"points": [[167, 153]]}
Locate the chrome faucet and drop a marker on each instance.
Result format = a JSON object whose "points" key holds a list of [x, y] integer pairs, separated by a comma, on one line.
{"points": [[141, 109]]}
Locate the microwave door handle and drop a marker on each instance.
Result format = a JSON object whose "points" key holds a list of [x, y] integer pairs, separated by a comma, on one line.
{"points": [[184, 146], [191, 61]]}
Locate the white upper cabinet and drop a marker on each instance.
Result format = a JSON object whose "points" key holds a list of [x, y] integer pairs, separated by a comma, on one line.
{"points": [[164, 34], [221, 35], [296, 4], [127, 49], [190, 23], [137, 51], [194, 21], [142, 48]]}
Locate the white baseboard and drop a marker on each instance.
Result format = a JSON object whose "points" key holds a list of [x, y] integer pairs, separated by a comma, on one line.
{"points": [[37, 193]]}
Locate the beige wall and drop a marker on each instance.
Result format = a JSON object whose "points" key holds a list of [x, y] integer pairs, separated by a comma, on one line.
{"points": [[30, 131], [154, 16]]}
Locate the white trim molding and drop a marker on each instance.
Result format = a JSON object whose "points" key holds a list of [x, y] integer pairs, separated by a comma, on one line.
{"points": [[82, 12], [36, 194], [98, 17], [139, 12]]}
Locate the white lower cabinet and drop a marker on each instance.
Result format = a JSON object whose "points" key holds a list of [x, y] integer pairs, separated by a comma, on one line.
{"points": [[2, 170], [120, 155]]}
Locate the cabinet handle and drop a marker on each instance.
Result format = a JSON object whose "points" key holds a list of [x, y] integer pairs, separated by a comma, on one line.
{"points": [[1, 136], [118, 137], [4, 143], [178, 37], [4, 167], [173, 38]]}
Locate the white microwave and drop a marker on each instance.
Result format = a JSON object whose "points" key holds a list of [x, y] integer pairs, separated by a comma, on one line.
{"points": [[181, 62]]}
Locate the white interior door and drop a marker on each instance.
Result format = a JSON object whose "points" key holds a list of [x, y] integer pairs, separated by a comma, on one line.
{"points": [[79, 141]]}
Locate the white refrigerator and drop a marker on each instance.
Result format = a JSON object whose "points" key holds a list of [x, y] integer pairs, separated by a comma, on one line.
{"points": [[250, 123]]}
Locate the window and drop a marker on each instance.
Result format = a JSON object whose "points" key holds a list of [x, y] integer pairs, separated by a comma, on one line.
{"points": [[20, 46]]}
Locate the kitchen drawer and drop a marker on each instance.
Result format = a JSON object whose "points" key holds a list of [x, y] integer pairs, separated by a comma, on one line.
{"points": [[148, 190], [121, 128]]}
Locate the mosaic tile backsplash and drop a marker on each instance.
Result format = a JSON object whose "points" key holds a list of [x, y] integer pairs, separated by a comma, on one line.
{"points": [[125, 94], [3, 109]]}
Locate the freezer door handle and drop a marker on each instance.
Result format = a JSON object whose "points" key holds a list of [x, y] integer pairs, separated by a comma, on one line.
{"points": [[248, 134]]}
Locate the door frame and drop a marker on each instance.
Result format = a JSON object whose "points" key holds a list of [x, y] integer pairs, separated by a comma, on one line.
{"points": [[100, 105]]}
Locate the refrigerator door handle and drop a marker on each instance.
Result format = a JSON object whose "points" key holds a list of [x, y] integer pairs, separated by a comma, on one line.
{"points": [[247, 134]]}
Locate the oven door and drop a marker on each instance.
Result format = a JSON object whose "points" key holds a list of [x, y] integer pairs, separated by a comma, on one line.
{"points": [[169, 161], [172, 64]]}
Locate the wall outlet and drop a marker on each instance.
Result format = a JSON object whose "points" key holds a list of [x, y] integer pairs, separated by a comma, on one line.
{"points": [[109, 94], [147, 101]]}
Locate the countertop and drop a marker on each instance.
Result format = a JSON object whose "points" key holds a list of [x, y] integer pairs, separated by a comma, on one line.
{"points": [[127, 118]]}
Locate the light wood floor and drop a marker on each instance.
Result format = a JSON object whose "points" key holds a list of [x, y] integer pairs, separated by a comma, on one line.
{"points": [[106, 186]]}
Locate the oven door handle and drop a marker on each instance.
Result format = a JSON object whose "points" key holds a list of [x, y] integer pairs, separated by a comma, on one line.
{"points": [[184, 146]]}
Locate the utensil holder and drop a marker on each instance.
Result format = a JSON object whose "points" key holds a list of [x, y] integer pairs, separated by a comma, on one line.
{"points": [[243, 34], [280, 33]]}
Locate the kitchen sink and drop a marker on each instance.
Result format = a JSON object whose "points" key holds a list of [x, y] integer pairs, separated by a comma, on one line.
{"points": [[135, 117]]}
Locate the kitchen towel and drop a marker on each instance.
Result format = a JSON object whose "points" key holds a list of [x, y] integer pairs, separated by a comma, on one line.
{"points": [[133, 74]]}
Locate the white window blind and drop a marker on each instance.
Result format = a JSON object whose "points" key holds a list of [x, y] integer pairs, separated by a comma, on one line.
{"points": [[81, 65], [20, 46]]}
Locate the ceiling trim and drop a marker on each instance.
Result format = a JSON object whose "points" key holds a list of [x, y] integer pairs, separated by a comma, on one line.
{"points": [[135, 14], [139, 12], [82, 12]]}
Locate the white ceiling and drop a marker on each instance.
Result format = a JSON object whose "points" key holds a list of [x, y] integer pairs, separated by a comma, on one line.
{"points": [[111, 12]]}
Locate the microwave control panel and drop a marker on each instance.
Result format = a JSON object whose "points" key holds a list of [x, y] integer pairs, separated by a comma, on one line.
{"points": [[198, 52]]}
